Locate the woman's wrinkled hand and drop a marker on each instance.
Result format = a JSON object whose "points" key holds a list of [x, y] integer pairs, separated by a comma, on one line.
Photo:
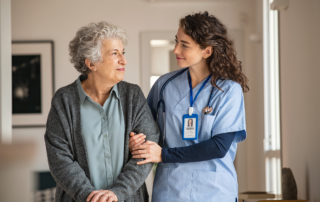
{"points": [[150, 151], [102, 196], [136, 140]]}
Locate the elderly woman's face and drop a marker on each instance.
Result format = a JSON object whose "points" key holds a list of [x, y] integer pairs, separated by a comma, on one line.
{"points": [[113, 64]]}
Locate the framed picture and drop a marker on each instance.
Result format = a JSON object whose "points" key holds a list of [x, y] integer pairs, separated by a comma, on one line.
{"points": [[32, 82]]}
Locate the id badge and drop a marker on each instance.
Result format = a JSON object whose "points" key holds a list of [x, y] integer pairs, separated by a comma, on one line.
{"points": [[190, 127]]}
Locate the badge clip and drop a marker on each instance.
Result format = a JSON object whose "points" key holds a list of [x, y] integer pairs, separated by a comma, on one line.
{"points": [[190, 111]]}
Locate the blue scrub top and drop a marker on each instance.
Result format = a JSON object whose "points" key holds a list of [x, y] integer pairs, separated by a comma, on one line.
{"points": [[212, 180]]}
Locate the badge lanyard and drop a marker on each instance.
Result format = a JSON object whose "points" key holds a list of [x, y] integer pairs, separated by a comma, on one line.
{"points": [[190, 120]]}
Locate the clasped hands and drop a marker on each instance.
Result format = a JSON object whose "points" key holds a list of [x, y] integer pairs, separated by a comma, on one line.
{"points": [[102, 196], [148, 150]]}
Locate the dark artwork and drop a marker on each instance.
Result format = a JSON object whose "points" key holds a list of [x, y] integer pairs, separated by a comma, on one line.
{"points": [[26, 84]]}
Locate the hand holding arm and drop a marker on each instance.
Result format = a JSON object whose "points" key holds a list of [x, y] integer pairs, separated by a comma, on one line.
{"points": [[133, 176], [136, 140], [215, 147], [151, 151]]}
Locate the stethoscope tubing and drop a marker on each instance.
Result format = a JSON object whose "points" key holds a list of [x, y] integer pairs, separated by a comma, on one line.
{"points": [[161, 102]]}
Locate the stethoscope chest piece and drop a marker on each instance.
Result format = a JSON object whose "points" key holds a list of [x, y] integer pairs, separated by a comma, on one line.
{"points": [[207, 110]]}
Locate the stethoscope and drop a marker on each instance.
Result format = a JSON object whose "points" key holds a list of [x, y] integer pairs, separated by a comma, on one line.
{"points": [[161, 104]]}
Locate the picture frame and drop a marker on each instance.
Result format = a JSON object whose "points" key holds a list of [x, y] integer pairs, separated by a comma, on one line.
{"points": [[32, 82]]}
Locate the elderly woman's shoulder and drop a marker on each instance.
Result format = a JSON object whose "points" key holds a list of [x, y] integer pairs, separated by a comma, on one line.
{"points": [[66, 91], [129, 87]]}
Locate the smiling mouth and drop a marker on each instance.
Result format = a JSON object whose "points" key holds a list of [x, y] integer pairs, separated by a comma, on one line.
{"points": [[179, 58], [121, 69]]}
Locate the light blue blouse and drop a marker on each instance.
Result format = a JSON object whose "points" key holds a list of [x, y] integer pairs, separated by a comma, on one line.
{"points": [[103, 133], [212, 180]]}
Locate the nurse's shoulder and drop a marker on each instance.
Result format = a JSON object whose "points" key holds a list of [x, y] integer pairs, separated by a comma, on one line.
{"points": [[229, 85], [162, 79], [229, 89], [153, 96]]}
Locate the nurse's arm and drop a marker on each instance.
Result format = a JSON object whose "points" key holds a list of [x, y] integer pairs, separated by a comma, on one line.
{"points": [[215, 147]]}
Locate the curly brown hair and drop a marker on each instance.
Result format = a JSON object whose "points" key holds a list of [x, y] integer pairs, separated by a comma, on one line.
{"points": [[207, 30]]}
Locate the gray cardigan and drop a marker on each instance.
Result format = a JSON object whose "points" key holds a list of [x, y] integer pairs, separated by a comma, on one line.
{"points": [[67, 155]]}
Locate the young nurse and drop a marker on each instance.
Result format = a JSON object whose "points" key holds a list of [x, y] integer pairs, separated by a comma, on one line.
{"points": [[196, 163]]}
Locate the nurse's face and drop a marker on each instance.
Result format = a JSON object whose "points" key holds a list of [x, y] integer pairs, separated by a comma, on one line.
{"points": [[188, 52]]}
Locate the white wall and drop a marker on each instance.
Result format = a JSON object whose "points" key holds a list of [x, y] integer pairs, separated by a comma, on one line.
{"points": [[5, 71], [300, 94], [59, 20]]}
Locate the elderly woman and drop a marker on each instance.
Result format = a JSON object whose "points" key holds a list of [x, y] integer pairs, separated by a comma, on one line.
{"points": [[88, 127]]}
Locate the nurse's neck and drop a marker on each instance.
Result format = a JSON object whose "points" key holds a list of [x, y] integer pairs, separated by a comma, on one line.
{"points": [[198, 74]]}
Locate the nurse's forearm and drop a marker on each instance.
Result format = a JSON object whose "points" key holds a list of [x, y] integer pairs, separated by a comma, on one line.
{"points": [[216, 147]]}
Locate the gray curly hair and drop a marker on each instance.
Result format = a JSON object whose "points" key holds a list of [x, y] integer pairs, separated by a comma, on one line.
{"points": [[88, 41]]}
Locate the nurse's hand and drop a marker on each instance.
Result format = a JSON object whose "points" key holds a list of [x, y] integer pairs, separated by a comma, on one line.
{"points": [[136, 140], [150, 151]]}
